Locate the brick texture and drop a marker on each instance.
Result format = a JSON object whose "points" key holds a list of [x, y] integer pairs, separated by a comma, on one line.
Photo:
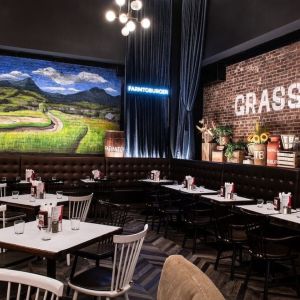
{"points": [[280, 67]]}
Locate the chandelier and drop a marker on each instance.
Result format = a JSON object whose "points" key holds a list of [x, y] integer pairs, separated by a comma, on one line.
{"points": [[128, 15]]}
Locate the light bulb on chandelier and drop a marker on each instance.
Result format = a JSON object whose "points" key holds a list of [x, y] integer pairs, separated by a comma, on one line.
{"points": [[125, 31], [136, 5], [145, 23], [128, 15], [131, 26], [123, 18], [121, 2], [110, 16]]}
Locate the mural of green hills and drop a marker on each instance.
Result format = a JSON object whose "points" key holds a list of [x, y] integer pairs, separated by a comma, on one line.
{"points": [[32, 119]]}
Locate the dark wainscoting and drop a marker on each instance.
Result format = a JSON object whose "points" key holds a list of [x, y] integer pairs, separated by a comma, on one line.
{"points": [[206, 173], [253, 181], [69, 168], [126, 171]]}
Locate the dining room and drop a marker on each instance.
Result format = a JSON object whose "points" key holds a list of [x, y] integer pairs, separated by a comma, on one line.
{"points": [[149, 149]]}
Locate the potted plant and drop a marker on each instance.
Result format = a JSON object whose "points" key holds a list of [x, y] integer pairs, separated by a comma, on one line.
{"points": [[258, 142], [223, 134], [235, 152]]}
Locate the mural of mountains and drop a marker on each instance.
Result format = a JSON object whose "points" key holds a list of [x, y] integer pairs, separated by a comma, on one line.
{"points": [[94, 94], [26, 84]]}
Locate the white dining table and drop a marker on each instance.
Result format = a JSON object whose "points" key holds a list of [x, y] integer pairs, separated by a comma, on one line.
{"points": [[60, 243], [23, 181], [263, 210], [30, 205], [161, 181], [29, 201], [222, 200], [294, 217], [86, 180], [196, 191], [259, 210]]}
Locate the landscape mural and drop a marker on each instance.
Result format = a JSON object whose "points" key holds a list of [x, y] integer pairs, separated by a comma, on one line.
{"points": [[48, 106]]}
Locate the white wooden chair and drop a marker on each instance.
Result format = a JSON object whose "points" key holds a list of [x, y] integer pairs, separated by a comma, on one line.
{"points": [[3, 189], [111, 283], [46, 288], [10, 215], [18, 257], [2, 216], [78, 208]]}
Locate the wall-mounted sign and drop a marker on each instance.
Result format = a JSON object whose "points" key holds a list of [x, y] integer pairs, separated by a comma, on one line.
{"points": [[147, 90], [268, 101], [114, 143]]}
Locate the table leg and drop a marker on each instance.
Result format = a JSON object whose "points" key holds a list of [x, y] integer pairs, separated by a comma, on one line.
{"points": [[51, 267]]}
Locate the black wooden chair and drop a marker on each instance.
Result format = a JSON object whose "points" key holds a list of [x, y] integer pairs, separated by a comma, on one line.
{"points": [[270, 247], [230, 235], [162, 209], [196, 223]]}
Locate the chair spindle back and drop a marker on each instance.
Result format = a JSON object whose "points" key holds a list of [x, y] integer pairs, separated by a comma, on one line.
{"points": [[29, 285], [127, 251], [79, 206]]}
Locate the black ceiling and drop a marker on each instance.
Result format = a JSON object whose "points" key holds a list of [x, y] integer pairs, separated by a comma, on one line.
{"points": [[233, 22], [73, 27]]}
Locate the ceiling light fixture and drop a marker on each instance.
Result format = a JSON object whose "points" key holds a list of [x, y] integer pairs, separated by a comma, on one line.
{"points": [[129, 13]]}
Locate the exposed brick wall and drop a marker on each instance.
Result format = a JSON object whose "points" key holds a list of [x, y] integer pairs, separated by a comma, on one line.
{"points": [[280, 67]]}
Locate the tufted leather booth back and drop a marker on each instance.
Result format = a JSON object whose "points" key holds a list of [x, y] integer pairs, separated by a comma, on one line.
{"points": [[262, 182], [9, 166], [129, 170], [69, 168], [251, 181], [206, 173]]}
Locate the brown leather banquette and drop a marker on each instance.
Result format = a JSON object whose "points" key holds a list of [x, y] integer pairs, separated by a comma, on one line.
{"points": [[69, 168], [252, 181]]}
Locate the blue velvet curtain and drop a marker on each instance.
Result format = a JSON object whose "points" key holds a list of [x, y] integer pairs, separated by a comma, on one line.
{"points": [[146, 117], [192, 46]]}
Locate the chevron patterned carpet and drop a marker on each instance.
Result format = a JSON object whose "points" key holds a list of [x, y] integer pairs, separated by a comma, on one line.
{"points": [[155, 250]]}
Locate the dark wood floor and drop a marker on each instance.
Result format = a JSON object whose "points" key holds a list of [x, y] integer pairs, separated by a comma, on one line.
{"points": [[154, 252]]}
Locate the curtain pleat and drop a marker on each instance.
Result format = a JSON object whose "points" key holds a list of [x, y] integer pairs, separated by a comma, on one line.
{"points": [[192, 46], [148, 64]]}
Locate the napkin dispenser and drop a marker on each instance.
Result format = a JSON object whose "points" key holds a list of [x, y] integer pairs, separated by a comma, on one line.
{"points": [[155, 175], [40, 190], [285, 202], [189, 182], [229, 189], [56, 216], [96, 174], [28, 174]]}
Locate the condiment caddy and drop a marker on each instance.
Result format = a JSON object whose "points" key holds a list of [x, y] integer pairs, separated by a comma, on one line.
{"points": [[50, 219], [189, 182], [283, 203], [228, 190]]}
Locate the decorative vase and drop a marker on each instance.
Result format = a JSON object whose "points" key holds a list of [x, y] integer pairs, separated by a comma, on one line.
{"points": [[260, 154], [224, 140], [272, 148]]}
